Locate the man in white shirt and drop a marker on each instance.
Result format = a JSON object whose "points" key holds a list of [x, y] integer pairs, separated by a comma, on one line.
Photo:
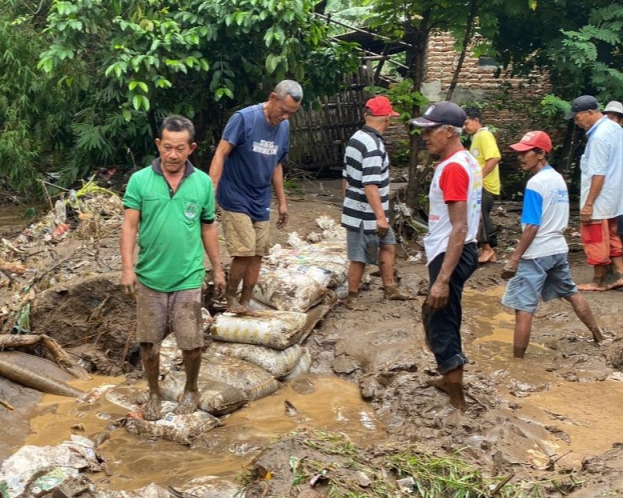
{"points": [[601, 198]]}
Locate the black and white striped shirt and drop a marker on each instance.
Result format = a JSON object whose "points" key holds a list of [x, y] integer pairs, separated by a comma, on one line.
{"points": [[365, 163]]}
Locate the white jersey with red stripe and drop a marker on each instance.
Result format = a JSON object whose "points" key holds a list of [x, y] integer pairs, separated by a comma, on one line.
{"points": [[439, 226]]}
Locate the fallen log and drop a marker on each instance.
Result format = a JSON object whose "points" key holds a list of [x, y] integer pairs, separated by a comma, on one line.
{"points": [[35, 380], [52, 348]]}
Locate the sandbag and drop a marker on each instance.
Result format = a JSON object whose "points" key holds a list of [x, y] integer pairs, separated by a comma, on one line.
{"points": [[276, 362], [302, 367], [275, 329], [254, 381], [287, 290], [182, 429], [216, 397]]}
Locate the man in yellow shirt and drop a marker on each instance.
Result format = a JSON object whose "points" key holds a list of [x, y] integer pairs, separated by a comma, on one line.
{"points": [[485, 149]]}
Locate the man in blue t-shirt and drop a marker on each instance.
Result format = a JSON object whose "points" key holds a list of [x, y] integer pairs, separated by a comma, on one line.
{"points": [[248, 159], [538, 267]]}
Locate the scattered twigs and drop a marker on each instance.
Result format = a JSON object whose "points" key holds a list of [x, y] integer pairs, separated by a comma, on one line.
{"points": [[6, 405], [495, 492]]}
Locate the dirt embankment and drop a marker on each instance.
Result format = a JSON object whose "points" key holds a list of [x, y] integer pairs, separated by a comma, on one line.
{"points": [[553, 416]]}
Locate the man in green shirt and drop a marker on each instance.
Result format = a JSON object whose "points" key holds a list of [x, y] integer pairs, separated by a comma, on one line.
{"points": [[170, 205]]}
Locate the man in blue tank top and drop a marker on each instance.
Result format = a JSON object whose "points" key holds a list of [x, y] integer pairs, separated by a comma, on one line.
{"points": [[248, 159]]}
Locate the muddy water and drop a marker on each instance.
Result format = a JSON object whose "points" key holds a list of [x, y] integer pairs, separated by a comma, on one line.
{"points": [[588, 412], [322, 403]]}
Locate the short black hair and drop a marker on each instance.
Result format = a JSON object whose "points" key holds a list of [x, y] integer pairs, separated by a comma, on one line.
{"points": [[178, 123], [472, 113]]}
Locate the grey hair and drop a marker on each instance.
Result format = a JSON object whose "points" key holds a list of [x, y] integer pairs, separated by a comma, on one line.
{"points": [[457, 130], [178, 123], [291, 88]]}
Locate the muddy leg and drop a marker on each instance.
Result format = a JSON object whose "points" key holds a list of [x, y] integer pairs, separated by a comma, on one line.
{"points": [[150, 355], [584, 312], [523, 329], [452, 384], [237, 272], [251, 276], [190, 398]]}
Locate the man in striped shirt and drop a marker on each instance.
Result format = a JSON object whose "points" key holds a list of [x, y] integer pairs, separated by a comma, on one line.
{"points": [[365, 213]]}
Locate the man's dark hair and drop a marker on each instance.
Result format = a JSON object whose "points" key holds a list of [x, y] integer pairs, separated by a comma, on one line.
{"points": [[472, 113], [538, 151], [178, 123]]}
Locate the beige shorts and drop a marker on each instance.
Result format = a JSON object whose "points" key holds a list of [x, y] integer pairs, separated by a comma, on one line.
{"points": [[245, 237], [159, 313]]}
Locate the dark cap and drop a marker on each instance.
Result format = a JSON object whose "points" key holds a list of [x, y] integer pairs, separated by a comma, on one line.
{"points": [[381, 106], [581, 104], [533, 140], [441, 113]]}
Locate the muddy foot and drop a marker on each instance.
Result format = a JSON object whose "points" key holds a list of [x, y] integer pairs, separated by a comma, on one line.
{"points": [[152, 410], [453, 390], [234, 306], [353, 304], [395, 294], [188, 404], [595, 286], [617, 284], [487, 257]]}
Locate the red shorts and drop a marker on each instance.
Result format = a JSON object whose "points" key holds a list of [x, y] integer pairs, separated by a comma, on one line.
{"points": [[601, 242]]}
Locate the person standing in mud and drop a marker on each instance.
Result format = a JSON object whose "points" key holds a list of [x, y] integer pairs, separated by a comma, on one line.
{"points": [[452, 256], [601, 197], [485, 149], [365, 212], [539, 267], [170, 205], [249, 157]]}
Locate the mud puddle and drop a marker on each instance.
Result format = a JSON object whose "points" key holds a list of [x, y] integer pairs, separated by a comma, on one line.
{"points": [[567, 390], [324, 403]]}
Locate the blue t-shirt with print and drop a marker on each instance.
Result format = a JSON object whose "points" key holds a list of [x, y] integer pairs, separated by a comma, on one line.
{"points": [[258, 148]]}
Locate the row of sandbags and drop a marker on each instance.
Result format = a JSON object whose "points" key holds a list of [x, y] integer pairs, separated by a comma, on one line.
{"points": [[250, 355]]}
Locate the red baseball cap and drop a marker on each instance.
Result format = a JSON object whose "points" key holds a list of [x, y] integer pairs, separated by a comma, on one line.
{"points": [[381, 106], [533, 139]]}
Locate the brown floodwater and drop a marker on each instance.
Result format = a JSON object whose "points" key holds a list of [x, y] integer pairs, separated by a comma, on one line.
{"points": [[325, 403], [589, 412]]}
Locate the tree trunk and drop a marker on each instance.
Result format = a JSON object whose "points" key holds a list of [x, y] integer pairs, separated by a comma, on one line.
{"points": [[417, 36], [469, 27]]}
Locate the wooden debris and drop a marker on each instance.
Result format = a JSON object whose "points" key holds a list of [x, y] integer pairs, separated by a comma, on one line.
{"points": [[53, 350]]}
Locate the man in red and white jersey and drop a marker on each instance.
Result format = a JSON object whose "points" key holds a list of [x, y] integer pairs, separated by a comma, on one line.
{"points": [[455, 198]]}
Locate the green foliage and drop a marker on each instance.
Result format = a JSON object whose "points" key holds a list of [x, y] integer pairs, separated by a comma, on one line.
{"points": [[582, 54], [30, 106], [106, 72]]}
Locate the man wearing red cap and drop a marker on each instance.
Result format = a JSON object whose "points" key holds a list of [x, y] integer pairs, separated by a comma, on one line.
{"points": [[538, 267], [455, 201], [365, 212]]}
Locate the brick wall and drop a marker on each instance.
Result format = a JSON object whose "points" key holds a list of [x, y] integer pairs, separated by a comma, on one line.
{"points": [[508, 104]]}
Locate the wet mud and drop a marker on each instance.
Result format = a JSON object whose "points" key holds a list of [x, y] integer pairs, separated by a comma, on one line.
{"points": [[552, 417]]}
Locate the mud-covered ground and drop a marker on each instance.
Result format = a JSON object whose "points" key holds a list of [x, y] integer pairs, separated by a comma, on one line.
{"points": [[552, 418]]}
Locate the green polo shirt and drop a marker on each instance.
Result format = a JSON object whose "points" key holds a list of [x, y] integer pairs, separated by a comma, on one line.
{"points": [[171, 252]]}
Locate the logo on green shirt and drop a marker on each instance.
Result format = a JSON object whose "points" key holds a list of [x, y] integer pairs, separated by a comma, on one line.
{"points": [[191, 210]]}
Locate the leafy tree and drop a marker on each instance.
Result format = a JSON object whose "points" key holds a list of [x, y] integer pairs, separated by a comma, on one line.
{"points": [[31, 106], [120, 66]]}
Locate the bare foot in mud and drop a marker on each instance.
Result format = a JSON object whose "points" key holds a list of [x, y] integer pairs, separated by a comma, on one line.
{"points": [[188, 403], [238, 308], [617, 284], [354, 304], [152, 410], [453, 390], [594, 286]]}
